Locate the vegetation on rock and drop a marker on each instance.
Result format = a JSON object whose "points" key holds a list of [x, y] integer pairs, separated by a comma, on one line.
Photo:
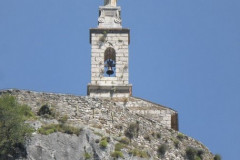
{"points": [[139, 153], [180, 136], [63, 119], [47, 111], [48, 129], [125, 140], [13, 130], [117, 154], [103, 143], [193, 153], [176, 142], [162, 149], [87, 155], [119, 146], [132, 130], [217, 157]]}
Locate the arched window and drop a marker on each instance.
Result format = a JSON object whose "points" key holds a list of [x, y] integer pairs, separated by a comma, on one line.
{"points": [[110, 62]]}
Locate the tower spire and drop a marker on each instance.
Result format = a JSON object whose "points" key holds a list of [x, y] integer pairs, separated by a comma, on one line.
{"points": [[109, 57], [110, 15]]}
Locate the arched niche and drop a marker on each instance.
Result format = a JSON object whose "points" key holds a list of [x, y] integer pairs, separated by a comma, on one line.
{"points": [[110, 62]]}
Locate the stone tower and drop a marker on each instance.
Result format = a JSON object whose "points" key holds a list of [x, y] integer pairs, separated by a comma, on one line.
{"points": [[109, 54]]}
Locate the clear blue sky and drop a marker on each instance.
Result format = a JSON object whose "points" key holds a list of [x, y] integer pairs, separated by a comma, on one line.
{"points": [[184, 54]]}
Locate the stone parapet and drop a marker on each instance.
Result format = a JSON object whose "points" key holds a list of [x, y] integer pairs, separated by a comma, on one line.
{"points": [[106, 91], [164, 115]]}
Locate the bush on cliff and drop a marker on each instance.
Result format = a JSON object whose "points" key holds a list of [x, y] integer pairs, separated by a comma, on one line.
{"points": [[13, 129], [217, 157], [51, 128], [132, 130], [47, 111], [193, 153], [139, 153], [104, 142], [162, 149], [117, 154]]}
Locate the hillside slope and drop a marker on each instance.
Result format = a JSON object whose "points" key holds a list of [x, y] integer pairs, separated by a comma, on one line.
{"points": [[108, 131]]}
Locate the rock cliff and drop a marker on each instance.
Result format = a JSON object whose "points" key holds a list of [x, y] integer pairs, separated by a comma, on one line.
{"points": [[110, 129]]}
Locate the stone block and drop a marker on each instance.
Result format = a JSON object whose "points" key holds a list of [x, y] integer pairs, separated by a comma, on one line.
{"points": [[97, 50], [99, 59], [96, 70]]}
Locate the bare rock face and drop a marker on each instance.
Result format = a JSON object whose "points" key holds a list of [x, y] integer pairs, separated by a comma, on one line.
{"points": [[133, 120], [62, 146]]}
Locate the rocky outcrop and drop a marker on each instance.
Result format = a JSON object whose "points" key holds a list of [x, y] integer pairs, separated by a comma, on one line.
{"points": [[60, 146], [101, 118]]}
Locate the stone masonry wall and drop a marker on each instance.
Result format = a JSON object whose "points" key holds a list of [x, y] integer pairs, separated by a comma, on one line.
{"points": [[150, 110], [82, 107]]}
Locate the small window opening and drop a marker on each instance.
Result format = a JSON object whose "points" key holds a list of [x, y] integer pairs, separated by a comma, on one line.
{"points": [[109, 62]]}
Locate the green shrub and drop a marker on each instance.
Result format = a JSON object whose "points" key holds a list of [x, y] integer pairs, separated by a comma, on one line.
{"points": [[87, 155], [45, 109], [26, 112], [197, 158], [117, 154], [119, 146], [70, 130], [47, 112], [217, 157], [63, 119], [194, 154], [106, 138], [132, 130], [139, 153], [103, 143], [125, 140], [48, 129], [180, 136], [176, 142], [200, 153], [13, 130], [191, 153], [162, 149]]}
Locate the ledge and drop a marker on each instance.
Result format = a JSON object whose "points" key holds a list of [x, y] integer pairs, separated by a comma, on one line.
{"points": [[109, 89], [109, 30]]}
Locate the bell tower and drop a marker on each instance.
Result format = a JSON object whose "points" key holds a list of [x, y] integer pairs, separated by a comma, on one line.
{"points": [[109, 54]]}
